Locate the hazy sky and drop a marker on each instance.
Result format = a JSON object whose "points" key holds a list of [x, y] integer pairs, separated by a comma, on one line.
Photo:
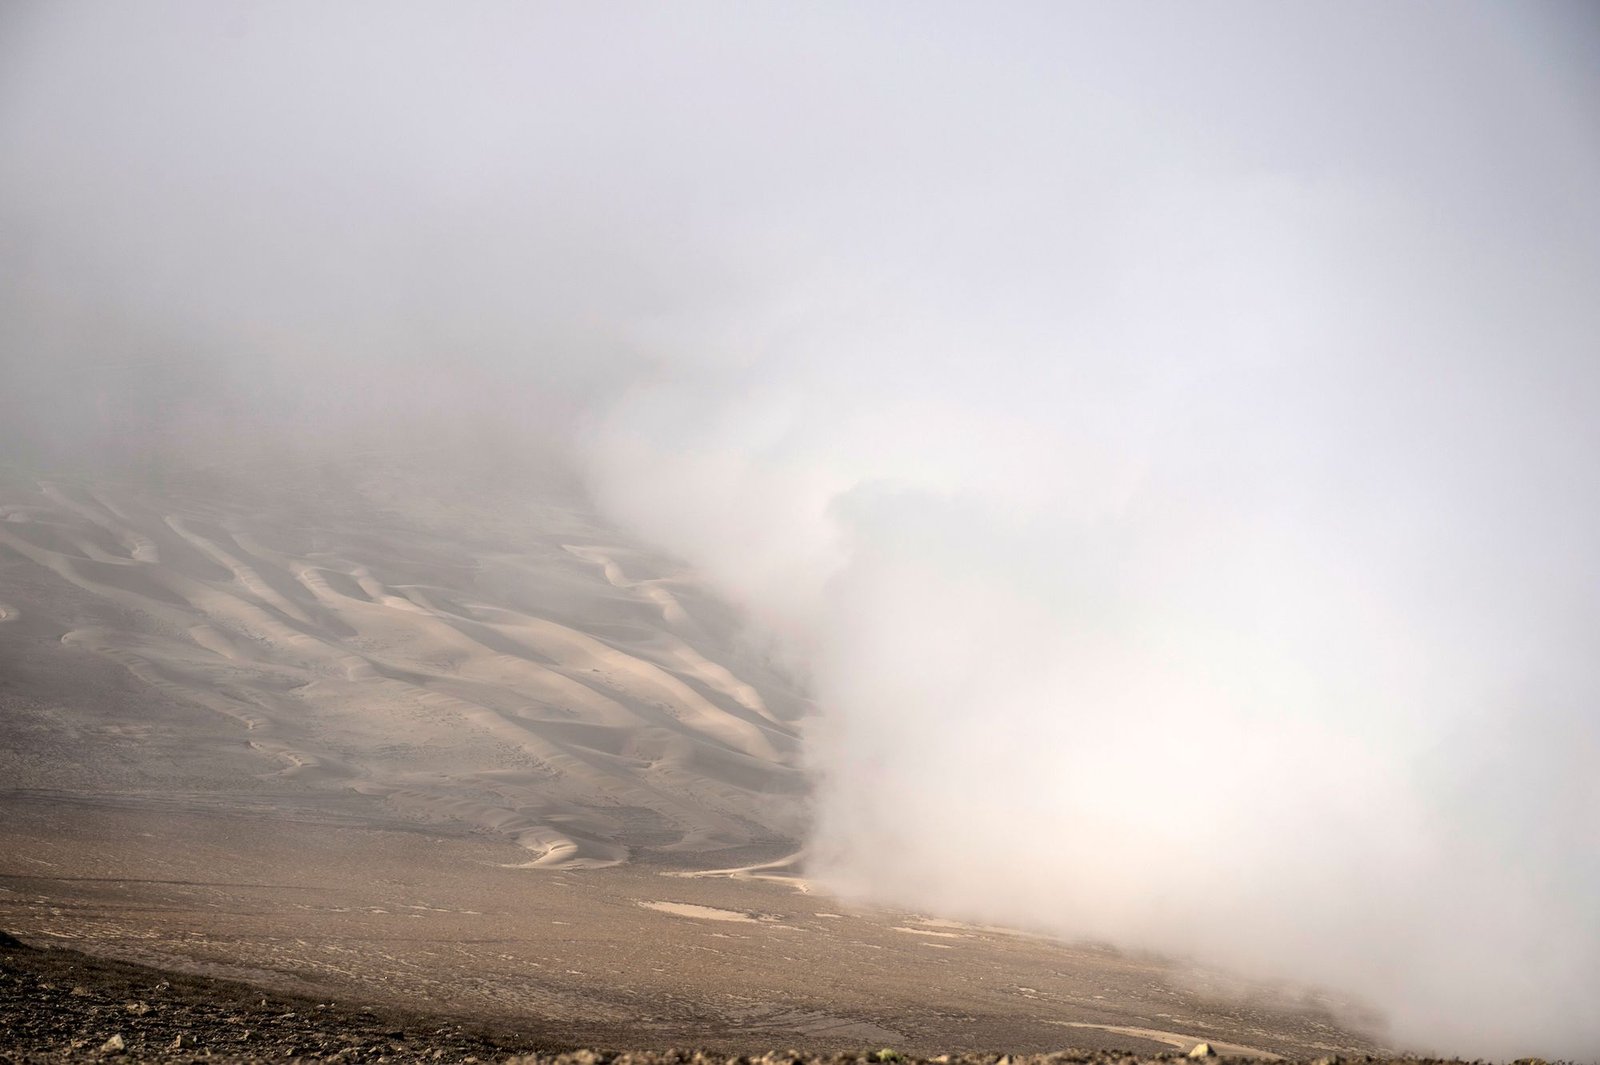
{"points": [[1164, 434]]}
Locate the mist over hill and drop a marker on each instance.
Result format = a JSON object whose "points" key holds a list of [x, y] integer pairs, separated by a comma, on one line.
{"points": [[1160, 442]]}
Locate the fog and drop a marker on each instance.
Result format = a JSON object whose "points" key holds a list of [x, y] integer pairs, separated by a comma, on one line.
{"points": [[1163, 436]]}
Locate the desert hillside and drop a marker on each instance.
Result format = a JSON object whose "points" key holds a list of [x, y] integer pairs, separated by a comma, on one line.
{"points": [[519, 670]]}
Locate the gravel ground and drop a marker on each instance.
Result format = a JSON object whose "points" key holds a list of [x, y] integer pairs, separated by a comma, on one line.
{"points": [[58, 1004]]}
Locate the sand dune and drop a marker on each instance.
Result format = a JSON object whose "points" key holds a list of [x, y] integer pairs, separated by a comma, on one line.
{"points": [[542, 680]]}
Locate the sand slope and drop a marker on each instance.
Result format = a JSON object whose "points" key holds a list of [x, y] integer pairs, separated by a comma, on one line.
{"points": [[521, 671]]}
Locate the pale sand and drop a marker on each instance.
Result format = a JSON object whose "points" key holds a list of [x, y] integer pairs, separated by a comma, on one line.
{"points": [[1183, 1042], [703, 913]]}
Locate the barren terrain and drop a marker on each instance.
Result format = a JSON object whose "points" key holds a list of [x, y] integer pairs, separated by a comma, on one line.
{"points": [[489, 765]]}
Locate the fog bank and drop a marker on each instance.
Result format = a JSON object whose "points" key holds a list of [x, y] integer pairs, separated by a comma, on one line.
{"points": [[1163, 437]]}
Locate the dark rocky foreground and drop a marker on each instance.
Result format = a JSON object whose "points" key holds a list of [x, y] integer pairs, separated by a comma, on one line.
{"points": [[58, 1004]]}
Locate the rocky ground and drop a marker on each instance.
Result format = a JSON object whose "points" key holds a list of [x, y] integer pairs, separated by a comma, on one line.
{"points": [[58, 1004]]}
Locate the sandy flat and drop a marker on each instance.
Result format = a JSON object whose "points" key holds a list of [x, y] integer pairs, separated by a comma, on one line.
{"points": [[440, 919]]}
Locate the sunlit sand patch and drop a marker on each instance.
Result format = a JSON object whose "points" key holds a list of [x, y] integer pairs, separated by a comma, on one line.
{"points": [[969, 930], [1183, 1042], [704, 913], [783, 870]]}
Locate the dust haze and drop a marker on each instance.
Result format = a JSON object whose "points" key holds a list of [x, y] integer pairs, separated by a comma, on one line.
{"points": [[1161, 438]]}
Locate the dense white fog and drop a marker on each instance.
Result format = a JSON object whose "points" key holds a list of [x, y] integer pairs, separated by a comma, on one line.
{"points": [[1163, 436]]}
